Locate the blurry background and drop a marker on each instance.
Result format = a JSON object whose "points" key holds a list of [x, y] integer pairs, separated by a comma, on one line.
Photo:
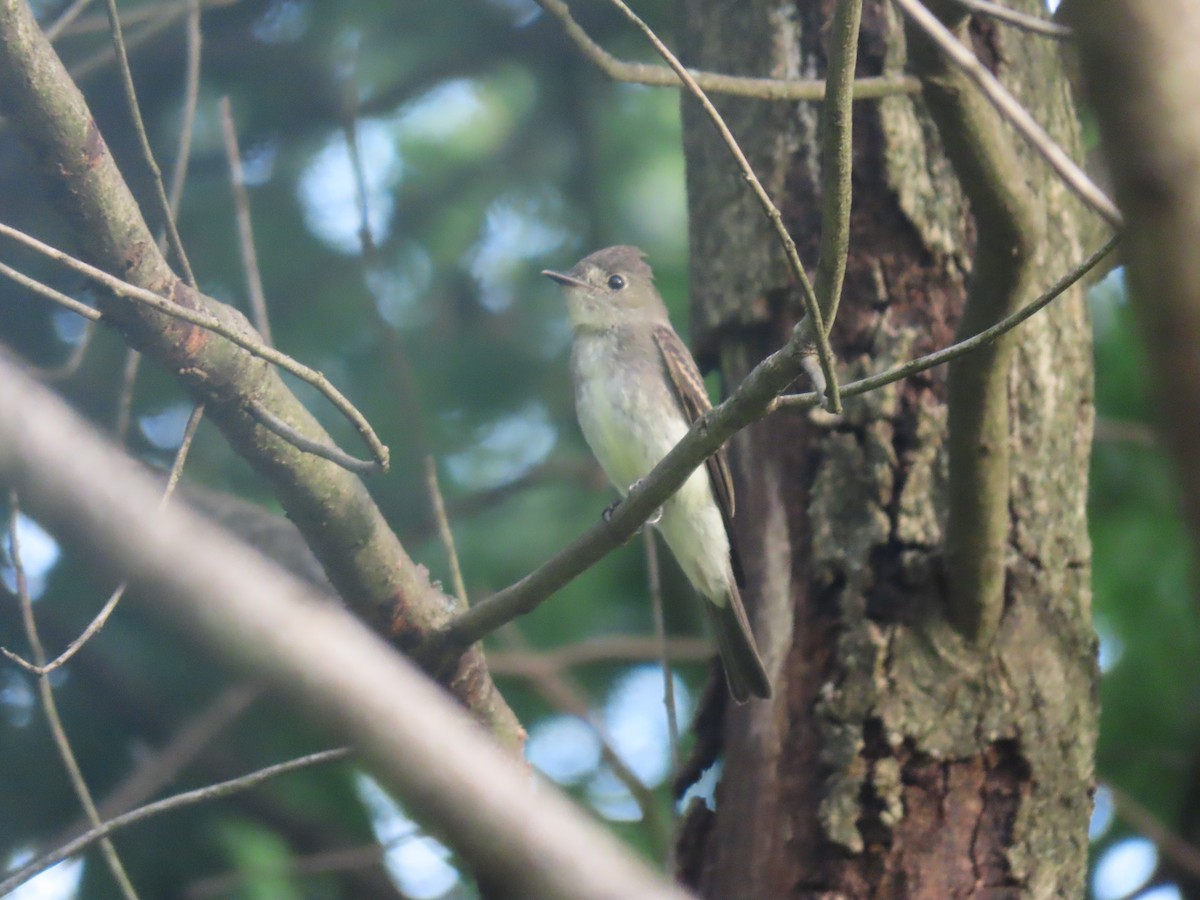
{"points": [[482, 148]]}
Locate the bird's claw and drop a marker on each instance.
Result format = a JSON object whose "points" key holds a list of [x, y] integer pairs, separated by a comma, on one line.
{"points": [[655, 516], [609, 510], [612, 508]]}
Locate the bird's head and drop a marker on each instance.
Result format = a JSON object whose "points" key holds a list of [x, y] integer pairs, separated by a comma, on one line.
{"points": [[610, 287]]}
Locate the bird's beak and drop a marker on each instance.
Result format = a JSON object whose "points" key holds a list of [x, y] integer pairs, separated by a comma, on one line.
{"points": [[566, 280]]}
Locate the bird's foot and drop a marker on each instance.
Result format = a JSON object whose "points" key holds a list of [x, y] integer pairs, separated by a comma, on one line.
{"points": [[655, 516], [612, 508], [609, 510]]}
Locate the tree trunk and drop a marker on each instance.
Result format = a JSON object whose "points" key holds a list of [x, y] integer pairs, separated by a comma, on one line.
{"points": [[895, 759]]}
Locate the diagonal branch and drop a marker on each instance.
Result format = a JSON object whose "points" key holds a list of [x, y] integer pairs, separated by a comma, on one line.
{"points": [[871, 88]]}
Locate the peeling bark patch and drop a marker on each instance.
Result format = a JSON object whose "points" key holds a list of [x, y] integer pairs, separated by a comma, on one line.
{"points": [[95, 151], [959, 815]]}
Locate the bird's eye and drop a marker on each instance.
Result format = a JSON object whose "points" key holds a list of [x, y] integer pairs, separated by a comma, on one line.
{"points": [[616, 282]]}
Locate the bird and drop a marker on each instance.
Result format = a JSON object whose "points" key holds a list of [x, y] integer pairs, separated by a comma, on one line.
{"points": [[637, 392]]}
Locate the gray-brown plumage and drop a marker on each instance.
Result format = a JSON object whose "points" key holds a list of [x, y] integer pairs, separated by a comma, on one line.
{"points": [[637, 392]]}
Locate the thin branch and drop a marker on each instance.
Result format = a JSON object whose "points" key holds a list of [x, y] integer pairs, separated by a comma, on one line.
{"points": [[443, 526], [1012, 110], [101, 618], [206, 321], [129, 374], [241, 206], [191, 97], [178, 801], [69, 15], [603, 650], [837, 159], [160, 767], [941, 357], [1184, 855], [820, 332], [654, 582], [1123, 431], [139, 128], [1016, 18], [50, 706], [133, 358], [152, 19], [44, 290], [713, 83], [98, 23], [563, 692], [299, 866], [334, 454], [68, 367]]}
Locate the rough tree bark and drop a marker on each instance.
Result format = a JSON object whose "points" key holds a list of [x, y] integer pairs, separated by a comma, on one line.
{"points": [[896, 759]]}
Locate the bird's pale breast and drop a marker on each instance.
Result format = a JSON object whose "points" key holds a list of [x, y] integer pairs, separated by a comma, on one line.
{"points": [[631, 419]]}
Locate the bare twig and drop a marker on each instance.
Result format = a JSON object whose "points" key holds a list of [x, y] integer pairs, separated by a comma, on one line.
{"points": [[68, 15], [296, 866], [837, 159], [335, 455], [1181, 853], [1121, 431], [654, 581], [191, 97], [563, 692], [50, 706], [151, 20], [106, 610], [129, 374], [44, 290], [162, 766], [69, 366], [443, 526], [241, 205], [178, 801], [599, 650], [204, 320], [941, 357], [820, 332], [1016, 18], [139, 128], [713, 83], [1012, 110]]}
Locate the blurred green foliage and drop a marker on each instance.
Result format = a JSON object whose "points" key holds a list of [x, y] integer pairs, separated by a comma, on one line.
{"points": [[489, 150]]}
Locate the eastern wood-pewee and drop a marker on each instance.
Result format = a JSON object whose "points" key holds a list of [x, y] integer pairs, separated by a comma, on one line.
{"points": [[637, 392]]}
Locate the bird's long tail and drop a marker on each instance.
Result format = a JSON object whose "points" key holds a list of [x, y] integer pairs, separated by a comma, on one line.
{"points": [[744, 670]]}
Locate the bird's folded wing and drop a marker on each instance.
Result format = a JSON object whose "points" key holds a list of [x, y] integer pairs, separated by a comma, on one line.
{"points": [[693, 400]]}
